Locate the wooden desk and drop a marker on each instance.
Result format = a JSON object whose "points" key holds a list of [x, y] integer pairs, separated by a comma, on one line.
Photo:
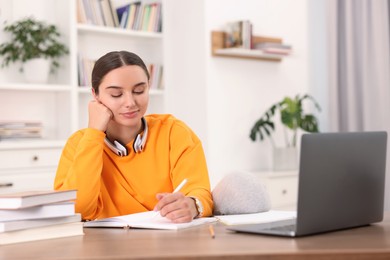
{"points": [[371, 242]]}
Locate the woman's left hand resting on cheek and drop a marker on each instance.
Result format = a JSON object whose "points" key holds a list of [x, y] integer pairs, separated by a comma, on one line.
{"points": [[176, 207]]}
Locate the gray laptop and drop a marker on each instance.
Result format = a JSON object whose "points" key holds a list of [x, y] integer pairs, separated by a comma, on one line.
{"points": [[341, 184]]}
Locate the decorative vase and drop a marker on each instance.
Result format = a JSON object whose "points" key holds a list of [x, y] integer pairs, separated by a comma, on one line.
{"points": [[285, 158], [37, 70]]}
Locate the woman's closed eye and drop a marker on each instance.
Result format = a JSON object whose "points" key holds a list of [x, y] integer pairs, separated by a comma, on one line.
{"points": [[139, 90], [116, 95]]}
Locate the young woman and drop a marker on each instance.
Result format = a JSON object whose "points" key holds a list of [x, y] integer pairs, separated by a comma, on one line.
{"points": [[126, 162]]}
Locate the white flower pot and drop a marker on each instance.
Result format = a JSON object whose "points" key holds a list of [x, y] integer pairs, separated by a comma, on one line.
{"points": [[37, 70], [285, 158]]}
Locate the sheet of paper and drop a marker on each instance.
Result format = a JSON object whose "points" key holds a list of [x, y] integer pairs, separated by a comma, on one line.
{"points": [[149, 220], [255, 218]]}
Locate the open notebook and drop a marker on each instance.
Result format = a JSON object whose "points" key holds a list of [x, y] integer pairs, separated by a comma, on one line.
{"points": [[147, 220]]}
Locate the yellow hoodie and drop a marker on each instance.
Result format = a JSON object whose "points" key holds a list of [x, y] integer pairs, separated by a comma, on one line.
{"points": [[109, 185]]}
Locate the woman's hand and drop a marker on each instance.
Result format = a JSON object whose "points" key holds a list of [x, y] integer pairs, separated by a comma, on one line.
{"points": [[99, 115], [176, 207]]}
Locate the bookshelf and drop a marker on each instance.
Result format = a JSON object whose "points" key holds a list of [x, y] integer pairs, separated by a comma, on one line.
{"points": [[218, 49], [61, 104]]}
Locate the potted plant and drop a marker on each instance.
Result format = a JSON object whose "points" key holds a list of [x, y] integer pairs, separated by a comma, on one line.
{"points": [[293, 119], [33, 41]]}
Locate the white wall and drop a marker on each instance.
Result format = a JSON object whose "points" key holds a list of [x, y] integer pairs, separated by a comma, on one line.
{"points": [[239, 90], [220, 98], [185, 74]]}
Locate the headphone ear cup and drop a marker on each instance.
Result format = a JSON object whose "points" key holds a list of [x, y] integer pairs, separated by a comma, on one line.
{"points": [[116, 147], [137, 145]]}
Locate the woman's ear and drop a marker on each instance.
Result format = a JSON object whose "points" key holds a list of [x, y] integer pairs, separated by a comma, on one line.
{"points": [[94, 94]]}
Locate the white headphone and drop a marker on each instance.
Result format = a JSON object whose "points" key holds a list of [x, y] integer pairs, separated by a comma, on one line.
{"points": [[138, 145]]}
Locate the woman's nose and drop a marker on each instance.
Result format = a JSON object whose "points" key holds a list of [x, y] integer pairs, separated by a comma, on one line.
{"points": [[129, 100]]}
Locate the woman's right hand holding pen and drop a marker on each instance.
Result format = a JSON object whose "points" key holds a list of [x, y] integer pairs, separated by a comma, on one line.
{"points": [[176, 207], [99, 115]]}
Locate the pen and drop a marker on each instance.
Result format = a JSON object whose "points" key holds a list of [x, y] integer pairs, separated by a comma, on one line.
{"points": [[178, 188], [212, 233]]}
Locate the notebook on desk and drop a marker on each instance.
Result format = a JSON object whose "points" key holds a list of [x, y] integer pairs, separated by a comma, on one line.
{"points": [[145, 220], [341, 184]]}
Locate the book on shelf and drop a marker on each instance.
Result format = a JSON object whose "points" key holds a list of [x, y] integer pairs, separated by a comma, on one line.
{"points": [[20, 129], [110, 17], [156, 74], [51, 210], [113, 13], [263, 45], [7, 226], [146, 220], [273, 48], [145, 18], [277, 51], [33, 198], [31, 132], [81, 15], [238, 34], [98, 13], [123, 14], [41, 233], [107, 14], [134, 9], [85, 66], [14, 124], [134, 16], [267, 217]]}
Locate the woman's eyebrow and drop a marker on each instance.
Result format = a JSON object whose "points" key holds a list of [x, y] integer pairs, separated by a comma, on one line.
{"points": [[114, 87], [140, 84], [117, 87]]}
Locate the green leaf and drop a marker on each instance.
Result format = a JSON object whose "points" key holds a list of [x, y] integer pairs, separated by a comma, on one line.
{"points": [[309, 123], [31, 39], [291, 116]]}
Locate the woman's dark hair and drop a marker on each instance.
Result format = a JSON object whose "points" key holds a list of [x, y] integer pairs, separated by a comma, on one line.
{"points": [[114, 60]]}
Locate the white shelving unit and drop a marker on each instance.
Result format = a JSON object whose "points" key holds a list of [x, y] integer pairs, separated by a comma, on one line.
{"points": [[61, 105], [282, 187]]}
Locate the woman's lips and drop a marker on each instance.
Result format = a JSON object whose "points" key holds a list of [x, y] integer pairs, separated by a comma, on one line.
{"points": [[130, 114]]}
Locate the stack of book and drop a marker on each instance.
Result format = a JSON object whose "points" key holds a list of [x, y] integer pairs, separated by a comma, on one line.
{"points": [[20, 129], [38, 215], [274, 48]]}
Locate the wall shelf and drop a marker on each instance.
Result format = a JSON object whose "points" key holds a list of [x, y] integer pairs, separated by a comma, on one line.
{"points": [[218, 49]]}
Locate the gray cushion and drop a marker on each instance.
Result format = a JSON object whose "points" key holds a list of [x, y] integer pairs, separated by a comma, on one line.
{"points": [[240, 193]]}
